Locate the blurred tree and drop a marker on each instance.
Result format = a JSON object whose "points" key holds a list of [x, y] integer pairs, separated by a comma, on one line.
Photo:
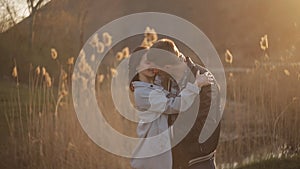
{"points": [[83, 8], [8, 15], [33, 6]]}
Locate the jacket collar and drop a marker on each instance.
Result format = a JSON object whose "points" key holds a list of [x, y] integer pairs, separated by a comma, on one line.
{"points": [[137, 84]]}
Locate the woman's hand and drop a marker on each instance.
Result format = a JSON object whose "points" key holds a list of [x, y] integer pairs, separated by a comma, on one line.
{"points": [[204, 79]]}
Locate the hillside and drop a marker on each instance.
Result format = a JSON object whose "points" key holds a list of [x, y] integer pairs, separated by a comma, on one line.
{"points": [[232, 24]]}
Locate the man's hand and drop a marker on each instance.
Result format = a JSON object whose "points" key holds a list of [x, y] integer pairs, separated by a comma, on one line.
{"points": [[204, 79]]}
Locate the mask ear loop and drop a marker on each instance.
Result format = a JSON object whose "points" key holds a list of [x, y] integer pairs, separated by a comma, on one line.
{"points": [[131, 87]]}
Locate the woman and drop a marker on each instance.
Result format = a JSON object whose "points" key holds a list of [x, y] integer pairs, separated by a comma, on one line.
{"points": [[153, 108]]}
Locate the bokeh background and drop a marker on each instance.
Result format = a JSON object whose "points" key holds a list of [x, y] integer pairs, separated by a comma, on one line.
{"points": [[258, 42]]}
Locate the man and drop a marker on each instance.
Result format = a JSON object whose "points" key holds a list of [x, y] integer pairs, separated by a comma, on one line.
{"points": [[189, 153]]}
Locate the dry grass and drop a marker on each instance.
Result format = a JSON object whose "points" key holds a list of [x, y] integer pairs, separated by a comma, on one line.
{"points": [[261, 120]]}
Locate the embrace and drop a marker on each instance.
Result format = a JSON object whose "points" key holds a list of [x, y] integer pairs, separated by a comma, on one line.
{"points": [[167, 85]]}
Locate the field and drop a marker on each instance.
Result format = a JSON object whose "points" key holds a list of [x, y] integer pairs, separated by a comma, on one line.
{"points": [[290, 163], [260, 123]]}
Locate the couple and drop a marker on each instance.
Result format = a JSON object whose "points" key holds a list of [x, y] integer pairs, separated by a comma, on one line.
{"points": [[166, 84]]}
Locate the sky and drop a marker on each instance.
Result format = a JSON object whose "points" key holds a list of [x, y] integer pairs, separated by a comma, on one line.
{"points": [[20, 6]]}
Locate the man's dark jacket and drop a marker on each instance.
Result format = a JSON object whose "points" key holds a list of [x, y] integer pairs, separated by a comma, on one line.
{"points": [[189, 148]]}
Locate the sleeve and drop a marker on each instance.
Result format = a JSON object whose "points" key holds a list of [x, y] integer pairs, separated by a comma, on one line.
{"points": [[160, 103]]}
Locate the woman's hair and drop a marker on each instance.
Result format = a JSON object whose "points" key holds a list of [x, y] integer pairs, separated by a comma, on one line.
{"points": [[169, 58], [134, 61]]}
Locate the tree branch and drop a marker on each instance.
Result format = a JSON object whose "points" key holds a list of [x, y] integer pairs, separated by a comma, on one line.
{"points": [[38, 4], [10, 10]]}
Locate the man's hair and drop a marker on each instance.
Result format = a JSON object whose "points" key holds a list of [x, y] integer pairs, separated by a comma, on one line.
{"points": [[163, 52]]}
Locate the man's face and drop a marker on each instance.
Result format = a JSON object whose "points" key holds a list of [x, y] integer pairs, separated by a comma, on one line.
{"points": [[175, 70]]}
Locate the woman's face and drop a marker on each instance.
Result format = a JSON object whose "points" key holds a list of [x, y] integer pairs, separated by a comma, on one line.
{"points": [[145, 68]]}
